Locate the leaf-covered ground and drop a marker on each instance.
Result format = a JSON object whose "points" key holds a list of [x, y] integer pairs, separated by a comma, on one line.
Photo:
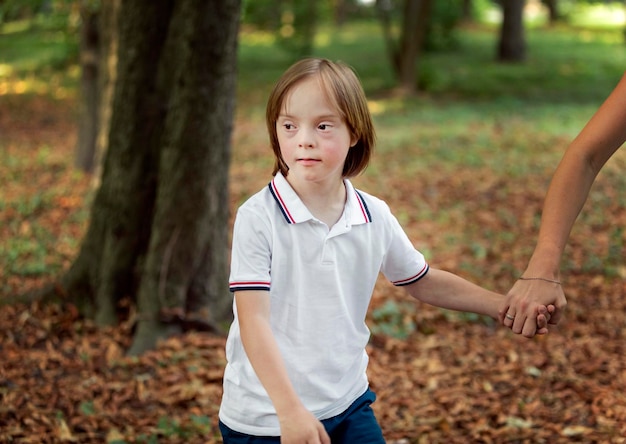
{"points": [[453, 379]]}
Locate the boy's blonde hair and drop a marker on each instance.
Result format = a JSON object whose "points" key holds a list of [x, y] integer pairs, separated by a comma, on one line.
{"points": [[344, 89]]}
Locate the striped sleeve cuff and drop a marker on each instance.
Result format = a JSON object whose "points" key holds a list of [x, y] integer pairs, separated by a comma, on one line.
{"points": [[413, 278], [249, 285]]}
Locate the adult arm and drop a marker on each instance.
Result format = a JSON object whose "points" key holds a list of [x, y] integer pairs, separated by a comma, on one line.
{"points": [[297, 424], [569, 188]]}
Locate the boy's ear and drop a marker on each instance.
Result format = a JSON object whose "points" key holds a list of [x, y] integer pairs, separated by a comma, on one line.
{"points": [[353, 141]]}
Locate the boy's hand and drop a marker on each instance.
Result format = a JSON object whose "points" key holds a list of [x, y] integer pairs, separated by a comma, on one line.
{"points": [[301, 427], [543, 318]]}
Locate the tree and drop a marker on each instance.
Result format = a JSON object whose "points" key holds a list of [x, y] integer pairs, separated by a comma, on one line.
{"points": [[293, 21], [158, 233], [340, 9], [405, 54], [298, 26], [108, 45], [89, 56], [554, 16], [467, 12], [512, 44]]}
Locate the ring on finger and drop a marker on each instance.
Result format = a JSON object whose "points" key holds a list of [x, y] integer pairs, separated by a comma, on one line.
{"points": [[510, 317]]}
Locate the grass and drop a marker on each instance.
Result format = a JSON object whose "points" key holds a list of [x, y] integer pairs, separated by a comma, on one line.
{"points": [[467, 92], [37, 57]]}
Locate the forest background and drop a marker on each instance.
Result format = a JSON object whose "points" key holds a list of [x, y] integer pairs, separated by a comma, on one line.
{"points": [[464, 164]]}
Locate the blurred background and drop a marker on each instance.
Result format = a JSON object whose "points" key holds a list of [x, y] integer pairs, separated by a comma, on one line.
{"points": [[474, 103]]}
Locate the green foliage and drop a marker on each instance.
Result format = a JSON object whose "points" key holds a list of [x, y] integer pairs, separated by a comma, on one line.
{"points": [[28, 237], [262, 14], [26, 51], [11, 10], [394, 319], [562, 66], [292, 23], [198, 425], [26, 255], [398, 319], [59, 14], [37, 37], [480, 10], [87, 408], [441, 33], [189, 429], [299, 21], [593, 13], [473, 318]]}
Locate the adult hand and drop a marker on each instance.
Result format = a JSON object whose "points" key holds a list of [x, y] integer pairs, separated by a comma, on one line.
{"points": [[520, 307]]}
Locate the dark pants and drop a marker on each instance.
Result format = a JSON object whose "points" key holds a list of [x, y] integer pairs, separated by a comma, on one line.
{"points": [[356, 425]]}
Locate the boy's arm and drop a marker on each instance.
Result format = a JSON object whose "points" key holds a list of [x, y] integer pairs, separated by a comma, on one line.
{"points": [[447, 290], [297, 424]]}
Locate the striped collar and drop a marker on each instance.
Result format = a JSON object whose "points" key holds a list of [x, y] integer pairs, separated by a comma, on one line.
{"points": [[294, 210]]}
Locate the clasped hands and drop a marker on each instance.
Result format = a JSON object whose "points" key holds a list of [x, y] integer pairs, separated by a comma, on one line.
{"points": [[531, 305]]}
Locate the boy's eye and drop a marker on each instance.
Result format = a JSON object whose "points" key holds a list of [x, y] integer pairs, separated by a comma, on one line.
{"points": [[323, 126]]}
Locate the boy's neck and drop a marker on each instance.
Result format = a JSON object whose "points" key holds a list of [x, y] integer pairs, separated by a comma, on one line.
{"points": [[325, 202]]}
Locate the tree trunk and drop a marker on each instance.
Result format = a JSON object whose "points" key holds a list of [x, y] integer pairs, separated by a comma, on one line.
{"points": [[340, 11], [298, 28], [158, 234], [107, 71], [415, 20], [89, 55], [467, 11], [98, 62], [512, 45], [404, 55], [383, 8], [553, 11]]}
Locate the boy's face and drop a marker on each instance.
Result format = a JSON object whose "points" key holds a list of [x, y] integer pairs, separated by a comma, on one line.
{"points": [[313, 137]]}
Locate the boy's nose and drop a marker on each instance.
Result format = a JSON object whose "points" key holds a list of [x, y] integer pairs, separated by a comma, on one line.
{"points": [[305, 138]]}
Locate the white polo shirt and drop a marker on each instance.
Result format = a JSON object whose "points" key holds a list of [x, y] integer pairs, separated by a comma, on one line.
{"points": [[320, 282]]}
